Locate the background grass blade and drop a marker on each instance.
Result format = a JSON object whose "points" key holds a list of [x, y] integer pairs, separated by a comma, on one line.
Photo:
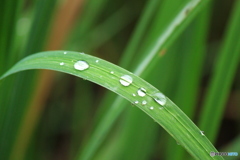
{"points": [[224, 70], [21, 96], [164, 112], [162, 38], [65, 117]]}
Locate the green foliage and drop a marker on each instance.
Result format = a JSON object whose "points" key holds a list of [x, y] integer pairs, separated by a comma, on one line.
{"points": [[187, 49], [124, 83]]}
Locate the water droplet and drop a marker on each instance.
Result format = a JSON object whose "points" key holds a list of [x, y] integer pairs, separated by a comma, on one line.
{"points": [[64, 52], [141, 92], [159, 98], [144, 102], [126, 80], [112, 72], [136, 102], [97, 61], [151, 108], [134, 95], [202, 133], [81, 65], [61, 63]]}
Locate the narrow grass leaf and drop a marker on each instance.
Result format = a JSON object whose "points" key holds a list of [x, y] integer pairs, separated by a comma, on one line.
{"points": [[225, 69], [124, 83]]}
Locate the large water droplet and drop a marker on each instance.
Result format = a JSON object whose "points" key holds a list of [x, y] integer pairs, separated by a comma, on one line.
{"points": [[159, 98], [126, 80], [141, 92], [81, 65]]}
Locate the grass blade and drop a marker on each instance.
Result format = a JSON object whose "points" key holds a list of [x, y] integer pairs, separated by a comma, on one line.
{"points": [[161, 41], [159, 107], [223, 76]]}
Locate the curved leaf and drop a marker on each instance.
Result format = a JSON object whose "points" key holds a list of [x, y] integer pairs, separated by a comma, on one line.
{"points": [[139, 92]]}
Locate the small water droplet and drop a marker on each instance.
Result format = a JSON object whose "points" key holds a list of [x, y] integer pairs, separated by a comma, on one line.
{"points": [[61, 63], [81, 65], [134, 95], [144, 102], [97, 61], [151, 108], [202, 133], [64, 52], [136, 102], [141, 92], [112, 72], [126, 80], [159, 98]]}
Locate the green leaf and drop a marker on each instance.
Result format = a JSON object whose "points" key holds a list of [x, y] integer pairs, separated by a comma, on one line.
{"points": [[140, 93], [223, 76]]}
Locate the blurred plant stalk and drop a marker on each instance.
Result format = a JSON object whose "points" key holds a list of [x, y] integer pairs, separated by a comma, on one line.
{"points": [[64, 19]]}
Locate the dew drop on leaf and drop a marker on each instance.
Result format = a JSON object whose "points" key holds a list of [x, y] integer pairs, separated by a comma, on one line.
{"points": [[97, 61], [134, 95], [112, 72], [151, 108], [136, 102], [144, 102], [141, 92], [159, 98], [126, 80], [81, 65], [61, 63], [202, 133], [64, 52]]}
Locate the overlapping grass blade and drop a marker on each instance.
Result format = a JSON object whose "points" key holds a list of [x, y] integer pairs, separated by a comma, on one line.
{"points": [[192, 52], [145, 62], [224, 70], [163, 111]]}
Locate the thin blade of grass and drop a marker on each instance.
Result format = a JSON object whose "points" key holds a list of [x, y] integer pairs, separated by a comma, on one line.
{"points": [[192, 52], [23, 89], [163, 110], [165, 38], [224, 70]]}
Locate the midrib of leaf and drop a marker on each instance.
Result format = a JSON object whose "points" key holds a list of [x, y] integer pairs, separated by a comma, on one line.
{"points": [[184, 131]]}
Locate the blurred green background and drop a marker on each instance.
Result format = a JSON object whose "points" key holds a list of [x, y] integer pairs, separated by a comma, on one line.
{"points": [[51, 116]]}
